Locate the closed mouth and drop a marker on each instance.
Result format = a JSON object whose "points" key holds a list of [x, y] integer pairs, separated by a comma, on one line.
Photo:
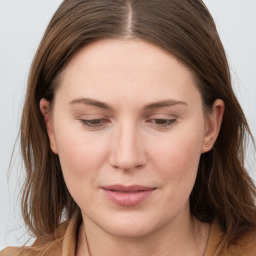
{"points": [[127, 196], [127, 189]]}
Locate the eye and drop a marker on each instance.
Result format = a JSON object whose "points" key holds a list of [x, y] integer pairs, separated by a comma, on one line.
{"points": [[161, 122], [95, 123]]}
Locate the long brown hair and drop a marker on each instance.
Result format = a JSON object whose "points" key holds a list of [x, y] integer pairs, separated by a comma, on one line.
{"points": [[223, 190]]}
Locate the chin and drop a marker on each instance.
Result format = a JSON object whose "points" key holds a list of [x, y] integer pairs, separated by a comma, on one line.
{"points": [[131, 226], [131, 231]]}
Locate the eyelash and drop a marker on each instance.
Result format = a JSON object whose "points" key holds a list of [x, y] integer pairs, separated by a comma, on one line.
{"points": [[95, 123], [162, 121], [98, 123]]}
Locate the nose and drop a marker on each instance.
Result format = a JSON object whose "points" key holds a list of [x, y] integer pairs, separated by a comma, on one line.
{"points": [[127, 148]]}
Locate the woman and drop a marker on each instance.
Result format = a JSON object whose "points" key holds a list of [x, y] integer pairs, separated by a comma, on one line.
{"points": [[132, 136]]}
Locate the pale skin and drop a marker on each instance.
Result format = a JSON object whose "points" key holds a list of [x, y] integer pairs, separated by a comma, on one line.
{"points": [[127, 112]]}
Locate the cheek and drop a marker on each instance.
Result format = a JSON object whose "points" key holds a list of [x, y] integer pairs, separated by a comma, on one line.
{"points": [[179, 149], [80, 160], [177, 157], [81, 156], [178, 170], [81, 163]]}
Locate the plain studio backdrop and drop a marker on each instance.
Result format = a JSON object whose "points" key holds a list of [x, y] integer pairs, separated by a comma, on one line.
{"points": [[22, 24]]}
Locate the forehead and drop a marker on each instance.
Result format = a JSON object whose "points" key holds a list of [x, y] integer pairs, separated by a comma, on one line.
{"points": [[125, 54], [126, 68]]}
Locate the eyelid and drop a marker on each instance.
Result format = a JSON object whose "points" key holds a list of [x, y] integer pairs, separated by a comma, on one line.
{"points": [[95, 123], [162, 119], [155, 120], [91, 116], [161, 116]]}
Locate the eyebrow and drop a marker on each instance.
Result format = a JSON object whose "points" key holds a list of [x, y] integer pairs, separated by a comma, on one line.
{"points": [[91, 102], [164, 103], [102, 105]]}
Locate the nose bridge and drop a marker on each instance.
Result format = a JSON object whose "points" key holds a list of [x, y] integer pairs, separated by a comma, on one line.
{"points": [[127, 152]]}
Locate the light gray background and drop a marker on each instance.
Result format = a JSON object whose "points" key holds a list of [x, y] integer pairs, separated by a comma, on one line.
{"points": [[22, 24]]}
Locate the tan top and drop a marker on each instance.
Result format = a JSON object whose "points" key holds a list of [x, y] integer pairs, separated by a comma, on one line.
{"points": [[66, 236]]}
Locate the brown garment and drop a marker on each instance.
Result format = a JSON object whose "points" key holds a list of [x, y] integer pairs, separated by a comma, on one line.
{"points": [[66, 236]]}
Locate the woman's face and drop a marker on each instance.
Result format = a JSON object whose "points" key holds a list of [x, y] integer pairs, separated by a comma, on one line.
{"points": [[129, 128]]}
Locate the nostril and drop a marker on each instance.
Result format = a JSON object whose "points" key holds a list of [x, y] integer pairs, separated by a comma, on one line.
{"points": [[128, 168]]}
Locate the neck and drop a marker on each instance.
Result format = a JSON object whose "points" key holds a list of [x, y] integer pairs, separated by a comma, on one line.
{"points": [[185, 237]]}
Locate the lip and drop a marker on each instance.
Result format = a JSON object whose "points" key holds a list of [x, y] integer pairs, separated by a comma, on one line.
{"points": [[127, 195]]}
